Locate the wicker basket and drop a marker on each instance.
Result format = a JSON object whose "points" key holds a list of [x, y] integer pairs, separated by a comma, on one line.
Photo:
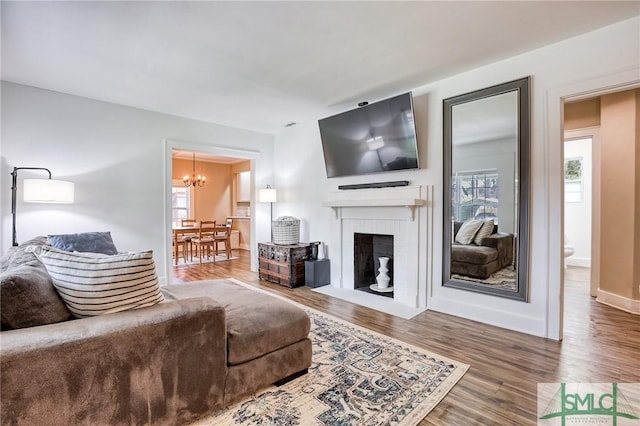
{"points": [[286, 230]]}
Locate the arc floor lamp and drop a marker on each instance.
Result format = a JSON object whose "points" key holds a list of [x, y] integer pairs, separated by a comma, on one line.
{"points": [[39, 191]]}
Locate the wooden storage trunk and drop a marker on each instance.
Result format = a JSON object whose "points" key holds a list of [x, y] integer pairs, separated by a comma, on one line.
{"points": [[283, 264]]}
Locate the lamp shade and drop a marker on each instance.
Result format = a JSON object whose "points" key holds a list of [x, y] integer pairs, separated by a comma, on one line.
{"points": [[267, 195], [48, 191]]}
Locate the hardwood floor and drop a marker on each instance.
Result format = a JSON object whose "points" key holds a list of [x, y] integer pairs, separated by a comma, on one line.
{"points": [[601, 345]]}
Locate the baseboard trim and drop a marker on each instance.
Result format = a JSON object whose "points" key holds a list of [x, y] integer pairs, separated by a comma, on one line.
{"points": [[619, 302], [489, 314]]}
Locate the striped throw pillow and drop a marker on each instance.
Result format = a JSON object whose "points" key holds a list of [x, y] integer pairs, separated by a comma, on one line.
{"points": [[93, 284], [485, 230]]}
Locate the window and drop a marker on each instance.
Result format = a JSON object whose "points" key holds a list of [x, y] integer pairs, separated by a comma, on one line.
{"points": [[573, 180], [180, 203], [476, 195]]}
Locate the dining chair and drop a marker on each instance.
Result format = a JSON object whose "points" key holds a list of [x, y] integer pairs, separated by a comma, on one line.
{"points": [[189, 222], [182, 240], [205, 239], [187, 237], [227, 245], [222, 236]]}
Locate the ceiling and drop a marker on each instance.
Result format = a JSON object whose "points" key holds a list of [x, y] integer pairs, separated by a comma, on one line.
{"points": [[488, 119], [261, 65]]}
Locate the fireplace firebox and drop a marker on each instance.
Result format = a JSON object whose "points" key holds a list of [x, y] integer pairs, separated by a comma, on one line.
{"points": [[368, 248]]}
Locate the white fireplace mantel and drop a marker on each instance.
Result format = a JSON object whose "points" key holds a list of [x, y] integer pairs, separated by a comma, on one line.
{"points": [[409, 197], [381, 211], [409, 203]]}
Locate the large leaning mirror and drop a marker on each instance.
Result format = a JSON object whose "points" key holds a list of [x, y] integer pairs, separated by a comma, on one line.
{"points": [[486, 190]]}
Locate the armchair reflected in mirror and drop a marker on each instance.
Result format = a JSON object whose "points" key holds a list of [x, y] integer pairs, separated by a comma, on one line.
{"points": [[486, 190]]}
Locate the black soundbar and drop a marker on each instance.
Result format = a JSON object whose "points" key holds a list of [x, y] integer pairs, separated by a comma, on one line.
{"points": [[375, 185]]}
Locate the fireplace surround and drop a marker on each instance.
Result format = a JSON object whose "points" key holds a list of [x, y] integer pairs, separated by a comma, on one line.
{"points": [[395, 212]]}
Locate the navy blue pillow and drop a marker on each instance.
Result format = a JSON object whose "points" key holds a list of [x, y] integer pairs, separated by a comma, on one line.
{"points": [[93, 242]]}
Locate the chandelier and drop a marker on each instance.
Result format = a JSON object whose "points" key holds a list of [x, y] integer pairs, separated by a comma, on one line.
{"points": [[195, 180]]}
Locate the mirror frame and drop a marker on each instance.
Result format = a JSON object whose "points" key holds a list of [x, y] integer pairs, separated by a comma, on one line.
{"points": [[522, 188]]}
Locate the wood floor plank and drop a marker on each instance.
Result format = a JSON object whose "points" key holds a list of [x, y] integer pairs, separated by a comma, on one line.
{"points": [[601, 344]]}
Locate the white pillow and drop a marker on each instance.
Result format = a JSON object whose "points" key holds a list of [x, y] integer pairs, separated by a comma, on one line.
{"points": [[93, 284], [485, 230], [467, 231]]}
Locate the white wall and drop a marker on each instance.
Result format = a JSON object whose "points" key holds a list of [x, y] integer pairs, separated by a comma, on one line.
{"points": [[117, 157], [301, 181], [577, 215], [606, 57], [499, 155]]}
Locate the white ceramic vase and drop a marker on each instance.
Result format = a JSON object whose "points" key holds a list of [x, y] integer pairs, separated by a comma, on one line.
{"points": [[321, 253], [383, 279]]}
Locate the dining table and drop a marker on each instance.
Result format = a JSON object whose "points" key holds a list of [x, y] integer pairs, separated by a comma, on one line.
{"points": [[181, 231]]}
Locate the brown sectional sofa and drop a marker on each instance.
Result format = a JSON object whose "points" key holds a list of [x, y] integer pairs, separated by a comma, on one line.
{"points": [[480, 261], [210, 344], [266, 337]]}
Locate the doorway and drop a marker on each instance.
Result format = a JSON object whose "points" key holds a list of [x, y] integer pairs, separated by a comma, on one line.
{"points": [[606, 144], [219, 193], [221, 168], [557, 99], [581, 207]]}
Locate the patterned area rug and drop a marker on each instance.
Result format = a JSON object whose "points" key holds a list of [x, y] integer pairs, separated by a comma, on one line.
{"points": [[504, 278], [357, 377]]}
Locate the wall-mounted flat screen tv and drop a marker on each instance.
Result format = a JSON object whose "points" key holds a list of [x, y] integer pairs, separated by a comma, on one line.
{"points": [[375, 138]]}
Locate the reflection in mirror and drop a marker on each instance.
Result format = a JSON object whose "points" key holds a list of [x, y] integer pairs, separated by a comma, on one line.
{"points": [[486, 141]]}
